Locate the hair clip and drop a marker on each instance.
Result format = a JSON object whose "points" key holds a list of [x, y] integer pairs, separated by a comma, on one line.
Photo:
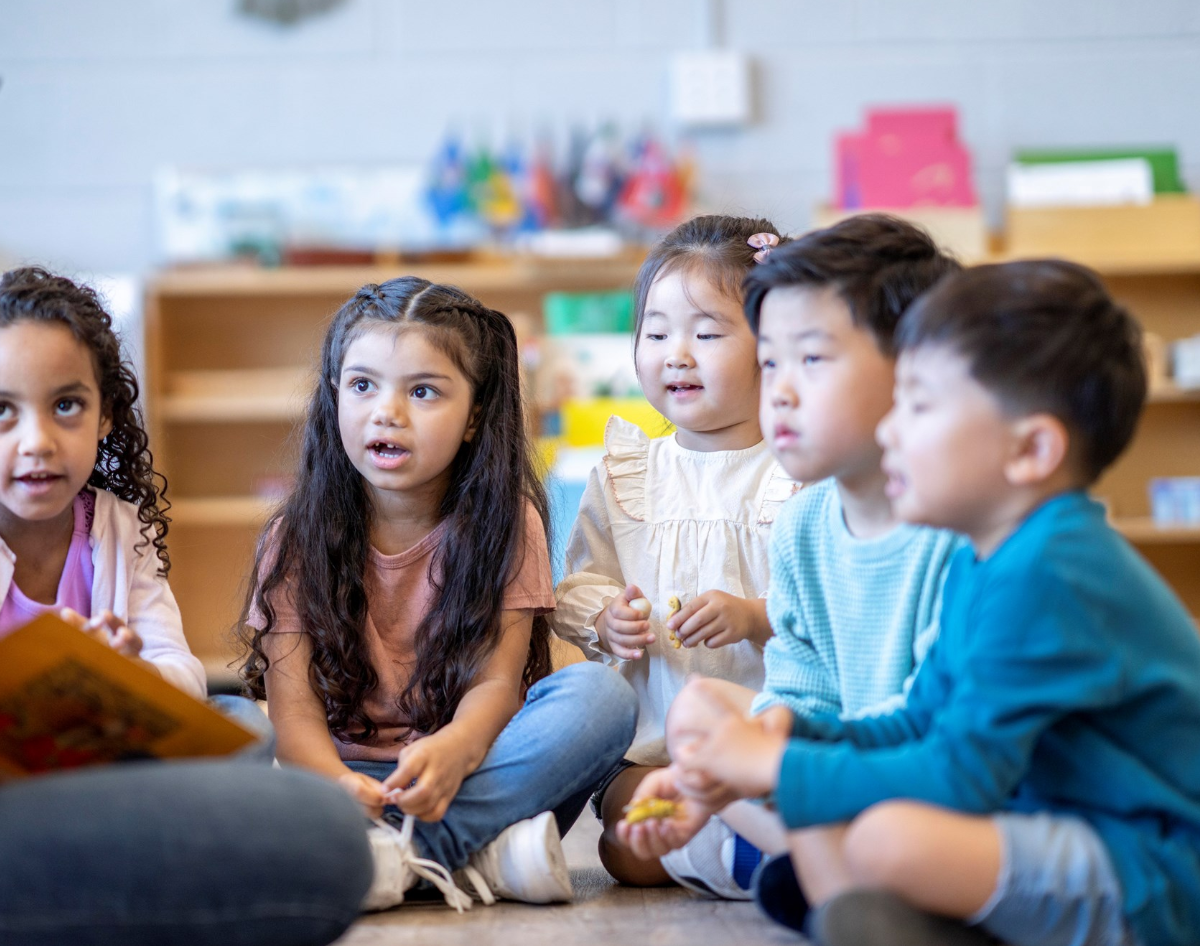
{"points": [[764, 242]]}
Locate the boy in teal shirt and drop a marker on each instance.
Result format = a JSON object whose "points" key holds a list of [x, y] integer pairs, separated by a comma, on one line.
{"points": [[1042, 783]]}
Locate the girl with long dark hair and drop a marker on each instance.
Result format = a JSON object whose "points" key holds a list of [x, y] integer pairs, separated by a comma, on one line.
{"points": [[397, 623]]}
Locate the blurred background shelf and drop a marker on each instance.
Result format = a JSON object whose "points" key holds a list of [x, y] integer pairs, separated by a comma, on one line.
{"points": [[1145, 530], [230, 352], [229, 364]]}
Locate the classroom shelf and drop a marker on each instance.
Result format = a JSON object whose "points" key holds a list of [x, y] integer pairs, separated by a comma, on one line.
{"points": [[1145, 530], [1169, 392], [248, 511], [236, 395]]}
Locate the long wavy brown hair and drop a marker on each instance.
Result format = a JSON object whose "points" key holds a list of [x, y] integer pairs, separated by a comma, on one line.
{"points": [[124, 464], [316, 546]]}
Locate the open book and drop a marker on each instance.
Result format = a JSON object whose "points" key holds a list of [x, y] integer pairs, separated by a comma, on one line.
{"points": [[67, 701]]}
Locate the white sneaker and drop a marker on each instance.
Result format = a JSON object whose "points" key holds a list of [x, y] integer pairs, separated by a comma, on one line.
{"points": [[398, 868], [706, 863], [525, 863]]}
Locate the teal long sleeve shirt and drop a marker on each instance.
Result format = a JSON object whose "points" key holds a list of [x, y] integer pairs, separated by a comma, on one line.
{"points": [[1066, 679]]}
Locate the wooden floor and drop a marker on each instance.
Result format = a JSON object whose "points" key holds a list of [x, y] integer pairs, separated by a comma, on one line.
{"points": [[603, 913]]}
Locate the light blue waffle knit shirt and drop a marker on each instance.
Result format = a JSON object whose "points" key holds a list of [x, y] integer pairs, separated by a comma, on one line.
{"points": [[852, 618]]}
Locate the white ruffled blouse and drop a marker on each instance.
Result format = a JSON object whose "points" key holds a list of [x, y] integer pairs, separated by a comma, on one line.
{"points": [[669, 520]]}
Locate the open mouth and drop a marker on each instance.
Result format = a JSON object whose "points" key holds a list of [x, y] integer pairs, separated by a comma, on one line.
{"points": [[684, 388], [37, 477], [387, 454]]}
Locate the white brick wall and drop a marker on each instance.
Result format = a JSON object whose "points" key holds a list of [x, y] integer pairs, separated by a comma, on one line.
{"points": [[96, 95]]}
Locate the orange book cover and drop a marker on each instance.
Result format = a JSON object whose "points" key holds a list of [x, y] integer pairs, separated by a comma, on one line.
{"points": [[68, 701]]}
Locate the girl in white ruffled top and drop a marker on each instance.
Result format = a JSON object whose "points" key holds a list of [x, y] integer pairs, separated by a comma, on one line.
{"points": [[687, 515]]}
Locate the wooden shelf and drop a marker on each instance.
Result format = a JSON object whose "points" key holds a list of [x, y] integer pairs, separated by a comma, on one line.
{"points": [[221, 511], [1144, 530], [236, 395], [1169, 392], [480, 277]]}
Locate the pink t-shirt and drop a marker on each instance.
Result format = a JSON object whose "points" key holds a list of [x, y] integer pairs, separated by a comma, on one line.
{"points": [[399, 595], [75, 584]]}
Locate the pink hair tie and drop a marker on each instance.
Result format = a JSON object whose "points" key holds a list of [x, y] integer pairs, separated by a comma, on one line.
{"points": [[764, 242]]}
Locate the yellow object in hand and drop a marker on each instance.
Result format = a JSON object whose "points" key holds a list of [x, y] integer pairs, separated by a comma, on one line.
{"points": [[650, 807], [674, 605]]}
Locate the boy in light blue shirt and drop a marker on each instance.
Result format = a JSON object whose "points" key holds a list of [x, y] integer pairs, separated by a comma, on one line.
{"points": [[1041, 785], [854, 593]]}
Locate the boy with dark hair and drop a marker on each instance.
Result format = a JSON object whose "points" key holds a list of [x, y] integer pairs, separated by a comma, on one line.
{"points": [[854, 593], [1042, 783]]}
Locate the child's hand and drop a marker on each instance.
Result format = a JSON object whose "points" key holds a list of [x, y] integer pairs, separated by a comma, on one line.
{"points": [[368, 791], [656, 836], [776, 720], [624, 630], [716, 618], [109, 629], [698, 708], [738, 753], [429, 773]]}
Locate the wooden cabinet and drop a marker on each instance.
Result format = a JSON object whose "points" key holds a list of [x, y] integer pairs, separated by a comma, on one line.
{"points": [[229, 356], [1167, 442]]}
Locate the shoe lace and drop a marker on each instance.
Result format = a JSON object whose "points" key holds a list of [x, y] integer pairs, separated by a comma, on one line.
{"points": [[433, 871]]}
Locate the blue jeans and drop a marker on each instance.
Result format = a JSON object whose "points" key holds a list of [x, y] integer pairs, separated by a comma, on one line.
{"points": [[218, 852], [251, 717], [575, 725]]}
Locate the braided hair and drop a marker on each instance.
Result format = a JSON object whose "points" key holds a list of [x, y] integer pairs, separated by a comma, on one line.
{"points": [[320, 537]]}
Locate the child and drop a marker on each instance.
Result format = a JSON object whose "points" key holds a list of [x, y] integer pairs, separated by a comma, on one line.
{"points": [[398, 620], [687, 515], [1042, 782], [82, 525], [854, 593]]}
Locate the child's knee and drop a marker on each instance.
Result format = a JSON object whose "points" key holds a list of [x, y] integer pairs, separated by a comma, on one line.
{"points": [[885, 844], [607, 696]]}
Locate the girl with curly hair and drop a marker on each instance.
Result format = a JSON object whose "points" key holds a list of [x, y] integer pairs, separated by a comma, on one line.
{"points": [[82, 514], [397, 620]]}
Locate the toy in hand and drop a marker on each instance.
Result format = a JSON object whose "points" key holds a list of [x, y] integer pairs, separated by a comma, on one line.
{"points": [[650, 807], [674, 605]]}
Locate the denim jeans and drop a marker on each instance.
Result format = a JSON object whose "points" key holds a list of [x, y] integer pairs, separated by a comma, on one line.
{"points": [[216, 852], [575, 725], [251, 717]]}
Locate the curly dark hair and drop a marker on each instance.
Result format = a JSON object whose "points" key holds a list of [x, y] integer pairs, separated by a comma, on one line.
{"points": [[316, 546], [124, 464]]}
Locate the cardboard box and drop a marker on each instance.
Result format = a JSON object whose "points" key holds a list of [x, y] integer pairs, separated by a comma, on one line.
{"points": [[961, 231]]}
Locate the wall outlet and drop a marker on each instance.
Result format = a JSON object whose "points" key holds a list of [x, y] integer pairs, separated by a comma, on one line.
{"points": [[710, 88]]}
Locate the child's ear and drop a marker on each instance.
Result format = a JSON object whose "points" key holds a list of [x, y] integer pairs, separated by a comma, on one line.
{"points": [[1041, 444], [106, 427], [472, 424]]}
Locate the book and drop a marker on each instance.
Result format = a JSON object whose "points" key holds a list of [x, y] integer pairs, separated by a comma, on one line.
{"points": [[904, 158], [68, 701]]}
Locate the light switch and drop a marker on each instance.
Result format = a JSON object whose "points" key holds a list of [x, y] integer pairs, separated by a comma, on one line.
{"points": [[710, 87]]}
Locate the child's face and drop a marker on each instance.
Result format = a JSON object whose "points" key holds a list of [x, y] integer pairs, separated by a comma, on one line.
{"points": [[825, 386], [695, 360], [404, 410], [946, 444], [51, 420]]}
